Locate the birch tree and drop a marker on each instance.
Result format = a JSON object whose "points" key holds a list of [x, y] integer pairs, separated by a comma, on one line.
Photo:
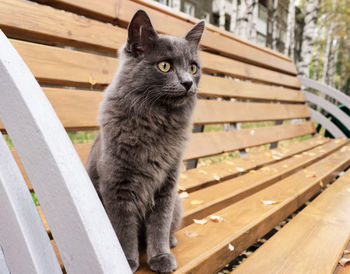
{"points": [[311, 14], [233, 23], [242, 20], [290, 39], [274, 24]]}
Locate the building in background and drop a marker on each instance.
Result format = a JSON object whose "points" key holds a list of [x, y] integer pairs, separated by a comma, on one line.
{"points": [[260, 21]]}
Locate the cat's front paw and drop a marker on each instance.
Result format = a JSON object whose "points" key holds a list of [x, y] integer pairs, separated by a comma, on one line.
{"points": [[134, 265], [163, 263]]}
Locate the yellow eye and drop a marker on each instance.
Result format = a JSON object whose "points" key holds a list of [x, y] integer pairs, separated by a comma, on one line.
{"points": [[193, 69], [164, 66]]}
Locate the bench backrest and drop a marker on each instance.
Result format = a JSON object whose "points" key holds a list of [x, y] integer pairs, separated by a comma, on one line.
{"points": [[74, 58]]}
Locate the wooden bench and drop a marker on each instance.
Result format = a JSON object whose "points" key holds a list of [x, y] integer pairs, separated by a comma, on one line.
{"points": [[70, 46]]}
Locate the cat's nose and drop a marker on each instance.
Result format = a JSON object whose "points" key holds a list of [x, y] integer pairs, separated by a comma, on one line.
{"points": [[187, 84]]}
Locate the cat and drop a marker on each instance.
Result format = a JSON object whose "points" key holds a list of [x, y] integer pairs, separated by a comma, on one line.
{"points": [[145, 120]]}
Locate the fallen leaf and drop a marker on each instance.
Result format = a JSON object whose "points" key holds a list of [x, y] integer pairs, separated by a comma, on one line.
{"points": [[183, 176], [200, 222], [265, 169], [216, 219], [285, 166], [183, 195], [276, 157], [252, 172], [344, 261], [196, 202], [269, 202], [231, 247], [343, 149], [312, 154], [297, 156], [321, 184], [311, 174], [202, 171], [191, 234], [182, 188], [338, 141], [240, 169], [92, 81], [346, 251], [216, 177]]}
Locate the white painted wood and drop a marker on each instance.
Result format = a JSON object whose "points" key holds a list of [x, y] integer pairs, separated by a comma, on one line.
{"points": [[3, 266], [330, 91], [327, 124], [79, 224], [334, 110], [24, 240]]}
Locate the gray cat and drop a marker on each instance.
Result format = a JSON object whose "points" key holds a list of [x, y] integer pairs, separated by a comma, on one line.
{"points": [[144, 124]]}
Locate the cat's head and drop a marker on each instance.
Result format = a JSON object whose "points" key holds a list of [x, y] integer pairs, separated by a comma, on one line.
{"points": [[160, 67]]}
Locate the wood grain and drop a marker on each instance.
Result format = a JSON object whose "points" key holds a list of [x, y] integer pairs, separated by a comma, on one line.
{"points": [[223, 87], [197, 178], [249, 219], [67, 67], [218, 196], [206, 144], [121, 11], [78, 109], [320, 233]]}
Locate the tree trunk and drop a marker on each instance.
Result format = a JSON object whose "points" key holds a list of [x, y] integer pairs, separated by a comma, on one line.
{"points": [[316, 55], [326, 56], [242, 20], [311, 14], [289, 46], [274, 24], [222, 14], [233, 23], [252, 15]]}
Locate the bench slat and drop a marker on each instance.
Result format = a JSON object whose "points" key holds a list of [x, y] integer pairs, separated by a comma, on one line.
{"points": [[121, 11], [320, 233], [219, 86], [23, 239], [207, 144], [249, 219], [220, 195], [61, 66], [197, 178], [78, 110]]}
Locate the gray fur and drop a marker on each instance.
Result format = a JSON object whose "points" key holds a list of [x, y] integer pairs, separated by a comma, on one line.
{"points": [[144, 124]]}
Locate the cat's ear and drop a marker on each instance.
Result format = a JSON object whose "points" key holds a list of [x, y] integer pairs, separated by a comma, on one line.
{"points": [[195, 34], [141, 34]]}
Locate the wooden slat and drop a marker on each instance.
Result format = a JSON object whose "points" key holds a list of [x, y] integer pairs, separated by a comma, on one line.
{"points": [[213, 112], [197, 178], [121, 11], [218, 196], [206, 144], [219, 64], [61, 66], [219, 86], [25, 20], [249, 219], [77, 110], [320, 233]]}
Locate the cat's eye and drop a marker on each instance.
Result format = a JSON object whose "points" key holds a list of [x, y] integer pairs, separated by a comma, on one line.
{"points": [[164, 66], [193, 68]]}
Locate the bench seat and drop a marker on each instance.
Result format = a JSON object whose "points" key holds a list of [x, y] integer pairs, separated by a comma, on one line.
{"points": [[250, 106]]}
